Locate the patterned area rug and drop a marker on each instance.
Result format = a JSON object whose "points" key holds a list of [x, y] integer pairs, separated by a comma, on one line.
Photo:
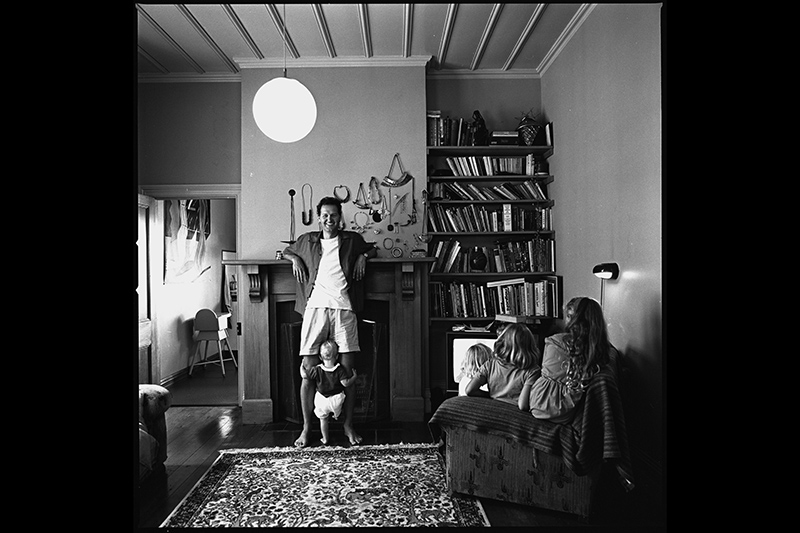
{"points": [[392, 485]]}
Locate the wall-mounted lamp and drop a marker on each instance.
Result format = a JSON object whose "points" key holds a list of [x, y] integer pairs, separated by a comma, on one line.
{"points": [[605, 271], [284, 109]]}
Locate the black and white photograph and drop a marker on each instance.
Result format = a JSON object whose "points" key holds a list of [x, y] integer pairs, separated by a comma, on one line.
{"points": [[400, 265]]}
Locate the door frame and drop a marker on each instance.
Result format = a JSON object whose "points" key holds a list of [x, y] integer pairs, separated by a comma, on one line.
{"points": [[156, 244]]}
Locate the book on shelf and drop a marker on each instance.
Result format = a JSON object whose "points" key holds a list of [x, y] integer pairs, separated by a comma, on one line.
{"points": [[516, 319]]}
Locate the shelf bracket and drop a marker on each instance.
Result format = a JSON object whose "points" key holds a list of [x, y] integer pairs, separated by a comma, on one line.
{"points": [[407, 281], [255, 283]]}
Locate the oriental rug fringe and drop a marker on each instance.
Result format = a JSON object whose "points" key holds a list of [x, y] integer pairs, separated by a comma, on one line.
{"points": [[391, 485]]}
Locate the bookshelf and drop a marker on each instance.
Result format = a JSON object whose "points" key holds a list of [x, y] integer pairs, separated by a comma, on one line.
{"points": [[490, 218]]}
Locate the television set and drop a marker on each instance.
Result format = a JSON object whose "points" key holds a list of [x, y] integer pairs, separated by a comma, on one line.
{"points": [[457, 345]]}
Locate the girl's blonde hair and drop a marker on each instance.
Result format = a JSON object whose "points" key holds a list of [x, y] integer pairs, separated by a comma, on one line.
{"points": [[517, 345], [475, 356]]}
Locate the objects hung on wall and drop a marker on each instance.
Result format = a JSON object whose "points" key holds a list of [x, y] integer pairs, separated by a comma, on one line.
{"points": [[283, 108]]}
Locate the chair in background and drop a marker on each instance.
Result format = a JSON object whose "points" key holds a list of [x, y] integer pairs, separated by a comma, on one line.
{"points": [[209, 326]]}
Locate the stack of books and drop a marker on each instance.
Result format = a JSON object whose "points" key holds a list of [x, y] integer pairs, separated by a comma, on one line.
{"points": [[504, 137]]}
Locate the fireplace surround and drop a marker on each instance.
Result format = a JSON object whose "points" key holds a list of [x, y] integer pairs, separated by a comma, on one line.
{"points": [[401, 283]]}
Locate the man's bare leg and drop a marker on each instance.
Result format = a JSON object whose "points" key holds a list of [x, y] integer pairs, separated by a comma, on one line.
{"points": [[348, 361], [307, 390]]}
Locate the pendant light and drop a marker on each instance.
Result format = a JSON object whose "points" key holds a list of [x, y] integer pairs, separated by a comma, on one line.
{"points": [[284, 109]]}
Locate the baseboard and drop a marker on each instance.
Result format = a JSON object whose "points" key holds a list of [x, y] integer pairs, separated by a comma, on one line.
{"points": [[183, 373]]}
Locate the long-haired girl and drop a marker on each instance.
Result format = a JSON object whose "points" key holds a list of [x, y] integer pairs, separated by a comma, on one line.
{"points": [[514, 365], [570, 361]]}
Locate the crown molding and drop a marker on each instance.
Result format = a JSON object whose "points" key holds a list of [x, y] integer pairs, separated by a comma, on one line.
{"points": [[566, 35], [328, 62], [217, 77], [484, 74], [192, 190]]}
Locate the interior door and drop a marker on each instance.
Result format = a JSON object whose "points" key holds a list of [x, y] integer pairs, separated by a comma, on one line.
{"points": [[146, 205]]}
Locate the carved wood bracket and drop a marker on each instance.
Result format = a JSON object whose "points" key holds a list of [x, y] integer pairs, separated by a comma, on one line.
{"points": [[255, 283], [407, 281]]}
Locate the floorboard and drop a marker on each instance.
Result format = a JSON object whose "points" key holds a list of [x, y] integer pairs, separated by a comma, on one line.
{"points": [[197, 433]]}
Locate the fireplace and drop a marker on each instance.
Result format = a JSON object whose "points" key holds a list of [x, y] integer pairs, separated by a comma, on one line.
{"points": [[396, 296]]}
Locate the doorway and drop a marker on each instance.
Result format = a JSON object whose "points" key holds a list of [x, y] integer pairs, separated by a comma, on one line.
{"points": [[176, 301]]}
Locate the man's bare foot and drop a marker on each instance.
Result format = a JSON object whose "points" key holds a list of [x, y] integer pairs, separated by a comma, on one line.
{"points": [[351, 434], [324, 441], [302, 440]]}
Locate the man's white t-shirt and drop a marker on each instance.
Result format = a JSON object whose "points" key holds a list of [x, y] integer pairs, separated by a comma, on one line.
{"points": [[330, 287]]}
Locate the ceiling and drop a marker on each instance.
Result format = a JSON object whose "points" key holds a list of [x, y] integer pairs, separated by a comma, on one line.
{"points": [[215, 41]]}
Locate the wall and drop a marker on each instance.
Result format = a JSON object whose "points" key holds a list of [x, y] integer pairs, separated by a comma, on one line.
{"points": [[501, 101], [177, 303], [603, 94], [364, 116], [188, 133]]}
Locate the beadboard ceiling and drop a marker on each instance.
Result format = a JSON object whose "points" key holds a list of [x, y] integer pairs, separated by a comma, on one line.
{"points": [[214, 42]]}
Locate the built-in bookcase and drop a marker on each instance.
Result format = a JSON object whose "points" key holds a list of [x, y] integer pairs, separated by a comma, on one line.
{"points": [[490, 217]]}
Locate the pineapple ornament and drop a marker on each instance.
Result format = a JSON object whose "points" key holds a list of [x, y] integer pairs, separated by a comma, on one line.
{"points": [[528, 128]]}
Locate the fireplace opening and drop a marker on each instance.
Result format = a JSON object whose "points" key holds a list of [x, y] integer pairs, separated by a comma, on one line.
{"points": [[372, 364]]}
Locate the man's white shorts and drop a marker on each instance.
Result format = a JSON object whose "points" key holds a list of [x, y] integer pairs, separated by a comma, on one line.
{"points": [[322, 323]]}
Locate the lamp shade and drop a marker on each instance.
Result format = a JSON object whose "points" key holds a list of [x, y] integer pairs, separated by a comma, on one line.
{"points": [[284, 110], [606, 271]]}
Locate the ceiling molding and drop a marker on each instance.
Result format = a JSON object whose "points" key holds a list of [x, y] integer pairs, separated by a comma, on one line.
{"points": [[447, 33], [526, 32], [324, 62], [366, 35], [487, 33], [283, 32], [192, 190], [324, 31], [191, 78], [408, 28], [155, 25], [206, 37], [483, 74], [566, 35], [246, 37]]}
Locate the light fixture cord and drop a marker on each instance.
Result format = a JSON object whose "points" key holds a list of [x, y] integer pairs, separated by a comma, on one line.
{"points": [[284, 40]]}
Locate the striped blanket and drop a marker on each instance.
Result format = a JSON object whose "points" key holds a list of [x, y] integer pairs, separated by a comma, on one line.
{"points": [[597, 432]]}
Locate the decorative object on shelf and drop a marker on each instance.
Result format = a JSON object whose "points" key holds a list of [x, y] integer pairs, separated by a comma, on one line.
{"points": [[481, 134], [605, 271], [307, 221], [477, 259], [336, 193], [528, 128], [283, 108], [291, 240]]}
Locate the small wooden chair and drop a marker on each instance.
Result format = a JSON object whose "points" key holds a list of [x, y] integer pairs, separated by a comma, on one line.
{"points": [[209, 326]]}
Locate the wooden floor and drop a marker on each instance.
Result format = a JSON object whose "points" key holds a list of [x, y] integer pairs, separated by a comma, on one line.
{"points": [[196, 434]]}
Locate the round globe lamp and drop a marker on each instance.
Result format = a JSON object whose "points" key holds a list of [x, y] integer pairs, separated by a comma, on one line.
{"points": [[284, 110]]}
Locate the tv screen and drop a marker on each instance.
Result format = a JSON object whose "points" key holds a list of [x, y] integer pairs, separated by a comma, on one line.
{"points": [[457, 345]]}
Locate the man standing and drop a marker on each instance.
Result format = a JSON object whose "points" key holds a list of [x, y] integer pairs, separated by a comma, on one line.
{"points": [[329, 266]]}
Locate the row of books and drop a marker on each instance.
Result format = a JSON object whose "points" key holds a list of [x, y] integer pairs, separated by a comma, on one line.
{"points": [[522, 297], [480, 218], [486, 165], [527, 255], [446, 131], [456, 190], [510, 298]]}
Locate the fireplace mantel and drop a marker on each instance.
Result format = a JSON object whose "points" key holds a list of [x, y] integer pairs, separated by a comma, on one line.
{"points": [[402, 283]]}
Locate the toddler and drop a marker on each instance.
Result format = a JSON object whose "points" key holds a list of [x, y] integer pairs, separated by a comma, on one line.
{"points": [[331, 379], [476, 355]]}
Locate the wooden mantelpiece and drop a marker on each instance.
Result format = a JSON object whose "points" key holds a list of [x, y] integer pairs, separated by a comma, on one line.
{"points": [[402, 283]]}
